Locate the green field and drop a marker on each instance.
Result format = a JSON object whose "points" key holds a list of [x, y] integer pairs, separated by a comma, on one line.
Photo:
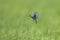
{"points": [[15, 23]]}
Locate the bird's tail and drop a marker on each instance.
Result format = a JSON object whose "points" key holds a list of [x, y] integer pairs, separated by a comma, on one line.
{"points": [[33, 19], [30, 16]]}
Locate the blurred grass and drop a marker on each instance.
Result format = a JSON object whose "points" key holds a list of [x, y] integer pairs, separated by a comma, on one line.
{"points": [[16, 25]]}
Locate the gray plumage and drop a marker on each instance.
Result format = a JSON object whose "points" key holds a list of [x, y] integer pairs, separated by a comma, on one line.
{"points": [[35, 16]]}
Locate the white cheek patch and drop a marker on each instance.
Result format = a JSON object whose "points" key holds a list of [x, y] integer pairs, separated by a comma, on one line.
{"points": [[37, 14]]}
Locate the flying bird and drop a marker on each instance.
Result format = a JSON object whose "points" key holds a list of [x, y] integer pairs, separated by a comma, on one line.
{"points": [[35, 16]]}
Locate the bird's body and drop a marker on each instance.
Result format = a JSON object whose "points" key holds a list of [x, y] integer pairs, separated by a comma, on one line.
{"points": [[35, 16]]}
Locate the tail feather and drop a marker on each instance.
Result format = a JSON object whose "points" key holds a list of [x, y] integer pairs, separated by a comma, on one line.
{"points": [[33, 18]]}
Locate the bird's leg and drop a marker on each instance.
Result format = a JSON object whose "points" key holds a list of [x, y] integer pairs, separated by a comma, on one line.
{"points": [[36, 21]]}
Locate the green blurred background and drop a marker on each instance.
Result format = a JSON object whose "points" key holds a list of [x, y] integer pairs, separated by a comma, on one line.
{"points": [[15, 23]]}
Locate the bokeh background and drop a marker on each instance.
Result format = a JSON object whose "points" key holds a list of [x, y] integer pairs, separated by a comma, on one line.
{"points": [[15, 23]]}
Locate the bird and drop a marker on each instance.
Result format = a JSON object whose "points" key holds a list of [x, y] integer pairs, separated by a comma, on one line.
{"points": [[35, 16]]}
